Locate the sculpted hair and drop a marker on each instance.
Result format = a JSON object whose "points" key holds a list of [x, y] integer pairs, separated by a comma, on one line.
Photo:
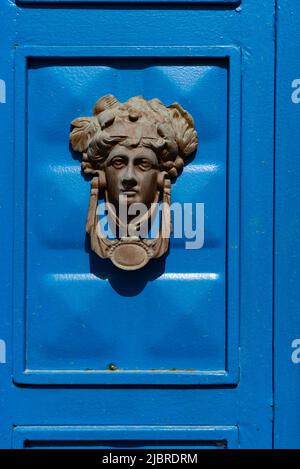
{"points": [[168, 131]]}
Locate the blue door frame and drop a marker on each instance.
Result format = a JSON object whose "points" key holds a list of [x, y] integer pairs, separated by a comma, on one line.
{"points": [[287, 219], [232, 406]]}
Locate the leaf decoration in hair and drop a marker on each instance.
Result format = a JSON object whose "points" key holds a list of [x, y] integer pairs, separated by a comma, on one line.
{"points": [[185, 133], [84, 129]]}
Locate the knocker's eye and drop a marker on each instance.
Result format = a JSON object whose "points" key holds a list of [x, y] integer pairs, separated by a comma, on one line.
{"points": [[118, 162], [145, 165]]}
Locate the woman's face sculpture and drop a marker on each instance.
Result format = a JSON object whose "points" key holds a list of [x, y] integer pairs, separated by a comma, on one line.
{"points": [[132, 150], [131, 175]]}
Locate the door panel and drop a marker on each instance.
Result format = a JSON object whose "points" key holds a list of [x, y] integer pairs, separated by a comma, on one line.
{"points": [[126, 437], [173, 340]]}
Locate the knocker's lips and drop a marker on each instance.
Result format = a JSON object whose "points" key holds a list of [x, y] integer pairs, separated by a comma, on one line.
{"points": [[129, 192]]}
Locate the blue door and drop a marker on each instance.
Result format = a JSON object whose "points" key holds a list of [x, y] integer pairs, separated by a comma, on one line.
{"points": [[178, 354]]}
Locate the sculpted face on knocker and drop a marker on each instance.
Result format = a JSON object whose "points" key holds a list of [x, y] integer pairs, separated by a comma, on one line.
{"points": [[131, 175]]}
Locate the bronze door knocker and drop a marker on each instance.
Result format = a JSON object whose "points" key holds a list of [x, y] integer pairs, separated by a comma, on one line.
{"points": [[132, 150]]}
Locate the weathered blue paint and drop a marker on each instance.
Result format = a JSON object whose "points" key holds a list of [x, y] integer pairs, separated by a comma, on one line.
{"points": [[287, 225], [55, 294]]}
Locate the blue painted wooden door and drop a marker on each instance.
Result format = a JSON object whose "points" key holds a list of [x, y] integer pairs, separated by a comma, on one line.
{"points": [[190, 335]]}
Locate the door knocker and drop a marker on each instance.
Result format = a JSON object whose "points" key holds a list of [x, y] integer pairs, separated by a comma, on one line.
{"points": [[132, 151]]}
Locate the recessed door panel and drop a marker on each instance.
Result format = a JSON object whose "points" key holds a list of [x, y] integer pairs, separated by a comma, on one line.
{"points": [[171, 321]]}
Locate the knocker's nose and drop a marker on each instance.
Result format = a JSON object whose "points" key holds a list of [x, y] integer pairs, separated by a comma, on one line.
{"points": [[129, 180], [129, 183]]}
